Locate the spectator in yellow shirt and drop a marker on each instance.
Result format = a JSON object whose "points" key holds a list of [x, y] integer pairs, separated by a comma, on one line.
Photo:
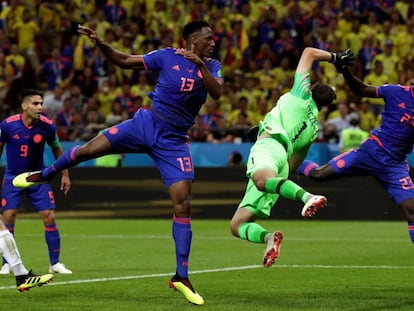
{"points": [[14, 73], [141, 87], [10, 16], [390, 62], [372, 27], [241, 106], [27, 30], [80, 11], [377, 77], [284, 74], [404, 40], [353, 39], [251, 91], [51, 15], [105, 98], [100, 23], [368, 121]]}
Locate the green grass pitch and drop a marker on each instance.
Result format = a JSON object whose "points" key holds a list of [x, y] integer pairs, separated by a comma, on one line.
{"points": [[126, 265]]}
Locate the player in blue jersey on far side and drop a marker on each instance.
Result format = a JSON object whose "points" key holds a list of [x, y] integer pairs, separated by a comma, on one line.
{"points": [[186, 76], [383, 155], [25, 135]]}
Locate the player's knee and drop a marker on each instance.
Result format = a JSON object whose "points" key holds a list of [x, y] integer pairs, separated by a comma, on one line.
{"points": [[9, 217], [261, 176], [48, 217], [260, 181], [182, 209]]}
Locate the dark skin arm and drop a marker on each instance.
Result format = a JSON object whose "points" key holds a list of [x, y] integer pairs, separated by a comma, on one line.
{"points": [[358, 87], [214, 86], [125, 61], [135, 62], [65, 180]]}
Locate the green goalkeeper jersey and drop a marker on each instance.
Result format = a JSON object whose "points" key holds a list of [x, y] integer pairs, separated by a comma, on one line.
{"points": [[294, 119]]}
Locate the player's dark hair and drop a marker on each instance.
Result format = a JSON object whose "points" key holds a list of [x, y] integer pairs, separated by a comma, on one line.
{"points": [[193, 27], [323, 95], [30, 92]]}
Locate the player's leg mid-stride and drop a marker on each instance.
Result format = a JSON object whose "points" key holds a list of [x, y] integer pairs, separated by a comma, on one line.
{"points": [[184, 287]]}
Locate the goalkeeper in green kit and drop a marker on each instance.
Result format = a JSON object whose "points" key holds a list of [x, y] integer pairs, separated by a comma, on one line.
{"points": [[283, 140]]}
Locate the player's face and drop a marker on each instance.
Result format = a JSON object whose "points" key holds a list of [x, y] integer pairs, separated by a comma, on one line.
{"points": [[33, 106], [205, 42]]}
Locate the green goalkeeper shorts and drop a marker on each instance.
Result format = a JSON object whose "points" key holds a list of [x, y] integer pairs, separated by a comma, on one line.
{"points": [[265, 153]]}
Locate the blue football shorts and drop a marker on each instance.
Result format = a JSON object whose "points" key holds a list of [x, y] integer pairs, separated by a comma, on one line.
{"points": [[41, 196], [373, 160], [147, 133]]}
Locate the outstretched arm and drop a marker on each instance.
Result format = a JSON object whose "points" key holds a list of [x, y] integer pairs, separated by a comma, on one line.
{"points": [[125, 61], [309, 56], [358, 87]]}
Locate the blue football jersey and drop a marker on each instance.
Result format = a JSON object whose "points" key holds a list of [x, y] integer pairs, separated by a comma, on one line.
{"points": [[25, 145], [396, 133], [180, 91]]}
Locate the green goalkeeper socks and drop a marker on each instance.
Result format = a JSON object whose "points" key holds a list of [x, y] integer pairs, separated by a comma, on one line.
{"points": [[252, 232], [286, 188]]}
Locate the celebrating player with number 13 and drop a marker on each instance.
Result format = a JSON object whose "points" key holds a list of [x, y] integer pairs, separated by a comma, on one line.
{"points": [[185, 78]]}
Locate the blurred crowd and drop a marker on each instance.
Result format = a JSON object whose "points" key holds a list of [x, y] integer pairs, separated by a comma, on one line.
{"points": [[258, 43]]}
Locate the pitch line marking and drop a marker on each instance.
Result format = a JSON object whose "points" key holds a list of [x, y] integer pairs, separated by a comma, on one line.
{"points": [[157, 275], [212, 238]]}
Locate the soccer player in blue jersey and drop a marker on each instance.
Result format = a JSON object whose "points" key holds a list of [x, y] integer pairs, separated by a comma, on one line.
{"points": [[383, 155], [186, 76], [25, 136]]}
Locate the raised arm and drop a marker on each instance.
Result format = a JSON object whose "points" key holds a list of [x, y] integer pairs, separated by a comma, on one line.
{"points": [[358, 87], [309, 56], [123, 60]]}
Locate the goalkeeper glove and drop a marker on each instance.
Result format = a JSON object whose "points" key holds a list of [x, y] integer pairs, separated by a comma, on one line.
{"points": [[342, 59]]}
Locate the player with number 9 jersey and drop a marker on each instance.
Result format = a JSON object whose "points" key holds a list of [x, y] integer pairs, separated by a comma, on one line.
{"points": [[25, 135], [26, 144]]}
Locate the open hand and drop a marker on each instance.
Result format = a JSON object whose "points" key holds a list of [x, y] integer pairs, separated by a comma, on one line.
{"points": [[89, 32], [343, 59]]}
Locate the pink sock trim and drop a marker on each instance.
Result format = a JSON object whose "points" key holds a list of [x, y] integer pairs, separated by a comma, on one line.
{"points": [[182, 220], [309, 168]]}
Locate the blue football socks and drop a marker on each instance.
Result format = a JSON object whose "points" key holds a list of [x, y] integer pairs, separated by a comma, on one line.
{"points": [[66, 160], [411, 231], [306, 167], [182, 234], [52, 238]]}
